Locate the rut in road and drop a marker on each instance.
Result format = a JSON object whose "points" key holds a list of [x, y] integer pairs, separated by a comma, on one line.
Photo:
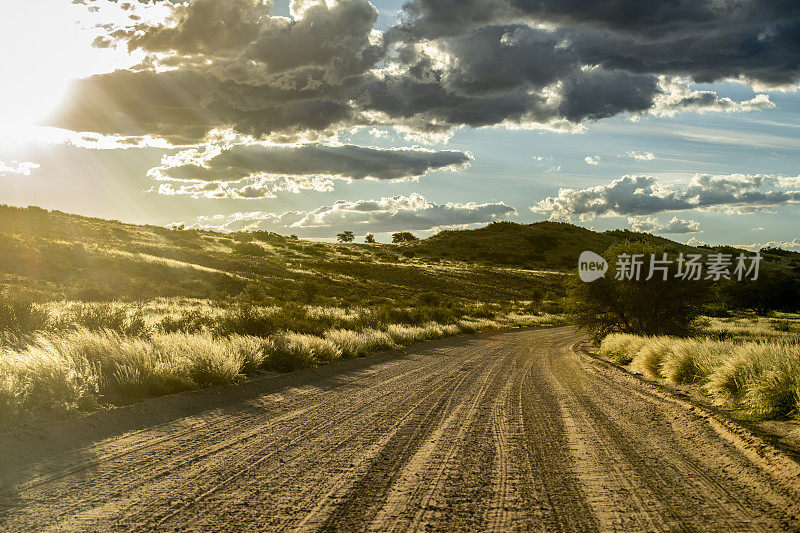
{"points": [[513, 431]]}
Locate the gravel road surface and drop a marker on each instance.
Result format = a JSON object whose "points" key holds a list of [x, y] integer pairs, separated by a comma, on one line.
{"points": [[510, 431]]}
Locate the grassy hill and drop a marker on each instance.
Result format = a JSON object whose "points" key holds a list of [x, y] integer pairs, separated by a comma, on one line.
{"points": [[543, 245], [50, 255]]}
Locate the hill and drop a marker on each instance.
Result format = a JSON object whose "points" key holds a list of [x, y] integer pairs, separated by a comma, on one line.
{"points": [[51, 255], [542, 245]]}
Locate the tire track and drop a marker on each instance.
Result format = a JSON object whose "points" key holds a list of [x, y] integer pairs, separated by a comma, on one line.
{"points": [[496, 432]]}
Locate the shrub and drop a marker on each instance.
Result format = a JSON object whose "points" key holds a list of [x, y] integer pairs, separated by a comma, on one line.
{"points": [[249, 248], [649, 357], [761, 377], [621, 347], [20, 316], [429, 298], [413, 334], [294, 351], [106, 316], [726, 384], [246, 319], [253, 352], [681, 363], [360, 343], [640, 307], [43, 378], [208, 361], [403, 236]]}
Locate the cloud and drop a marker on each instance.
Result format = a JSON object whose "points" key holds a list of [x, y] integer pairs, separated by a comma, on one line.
{"points": [[313, 159], [680, 225], [678, 97], [794, 244], [654, 225], [21, 168], [398, 213], [644, 195], [232, 64], [593, 160], [640, 156]]}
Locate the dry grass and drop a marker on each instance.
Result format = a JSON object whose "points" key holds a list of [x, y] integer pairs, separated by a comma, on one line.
{"points": [[760, 377], [783, 326], [360, 343], [115, 353]]}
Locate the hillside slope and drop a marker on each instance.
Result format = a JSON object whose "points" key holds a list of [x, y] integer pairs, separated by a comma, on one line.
{"points": [[542, 245], [51, 255], [54, 255]]}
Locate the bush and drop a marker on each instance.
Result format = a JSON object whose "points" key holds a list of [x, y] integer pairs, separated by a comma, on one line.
{"points": [[360, 343], [21, 317], [246, 319], [44, 379], [649, 357], [681, 363], [105, 316], [249, 248], [654, 307], [762, 378], [294, 351], [403, 236], [429, 298], [621, 347]]}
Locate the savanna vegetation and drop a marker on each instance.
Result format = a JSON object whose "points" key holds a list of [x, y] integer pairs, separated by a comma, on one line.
{"points": [[96, 312], [745, 356]]}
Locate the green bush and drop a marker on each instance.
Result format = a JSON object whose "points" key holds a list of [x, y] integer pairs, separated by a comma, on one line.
{"points": [[250, 248], [21, 317]]}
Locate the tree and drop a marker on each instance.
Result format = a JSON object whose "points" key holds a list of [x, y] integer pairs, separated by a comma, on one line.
{"points": [[774, 290], [369, 239], [643, 307], [346, 236], [403, 236]]}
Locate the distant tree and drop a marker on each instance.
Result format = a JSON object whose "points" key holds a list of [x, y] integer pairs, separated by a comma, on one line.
{"points": [[346, 236], [370, 238], [403, 236], [774, 290], [643, 307]]}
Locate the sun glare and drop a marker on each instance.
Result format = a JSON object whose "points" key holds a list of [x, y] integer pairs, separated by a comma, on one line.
{"points": [[44, 44]]}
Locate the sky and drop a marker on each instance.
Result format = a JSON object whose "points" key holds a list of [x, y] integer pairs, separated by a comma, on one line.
{"points": [[311, 117]]}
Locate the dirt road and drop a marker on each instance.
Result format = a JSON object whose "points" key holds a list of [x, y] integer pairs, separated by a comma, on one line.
{"points": [[504, 431]]}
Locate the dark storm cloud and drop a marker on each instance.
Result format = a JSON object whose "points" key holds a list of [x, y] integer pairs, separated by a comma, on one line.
{"points": [[596, 94], [705, 39], [445, 64], [184, 105], [207, 26], [347, 161]]}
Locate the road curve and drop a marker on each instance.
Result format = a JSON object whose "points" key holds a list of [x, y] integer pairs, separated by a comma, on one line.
{"points": [[512, 431]]}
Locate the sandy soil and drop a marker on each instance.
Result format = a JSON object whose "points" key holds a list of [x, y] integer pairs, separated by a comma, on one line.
{"points": [[513, 431]]}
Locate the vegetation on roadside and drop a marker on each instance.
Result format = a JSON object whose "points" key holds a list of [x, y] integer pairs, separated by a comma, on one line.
{"points": [[84, 355], [742, 363]]}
